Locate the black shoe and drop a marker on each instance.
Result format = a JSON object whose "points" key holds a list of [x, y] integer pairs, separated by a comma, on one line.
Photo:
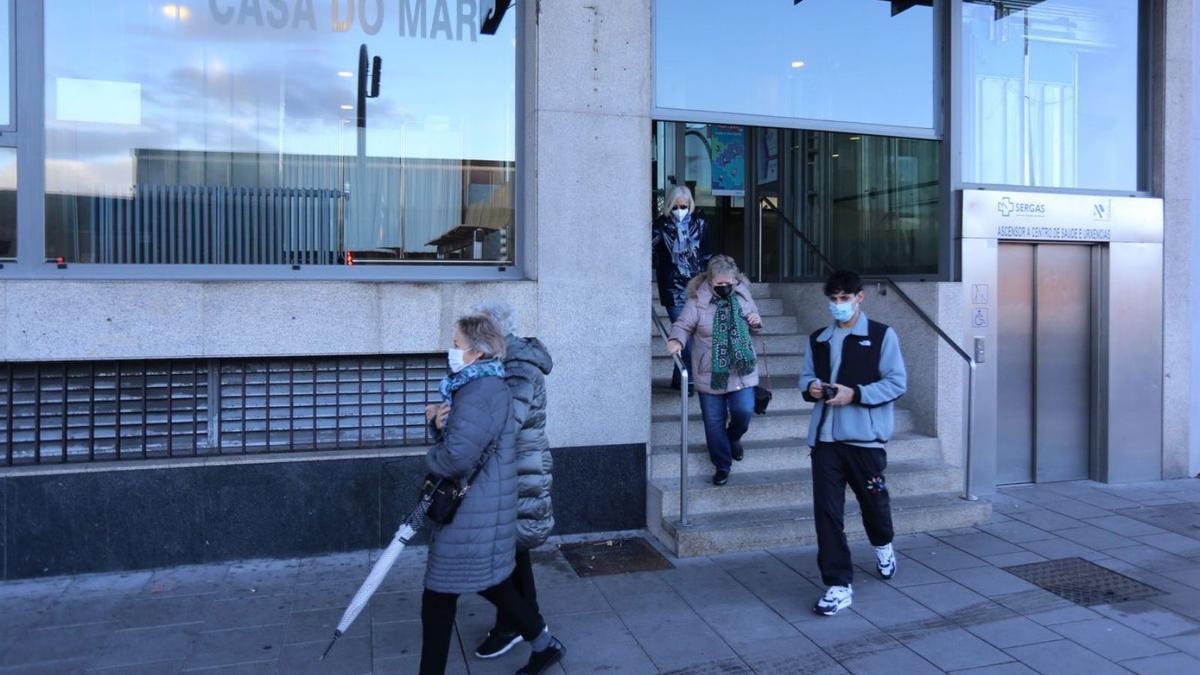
{"points": [[497, 643], [721, 477], [539, 662], [738, 452]]}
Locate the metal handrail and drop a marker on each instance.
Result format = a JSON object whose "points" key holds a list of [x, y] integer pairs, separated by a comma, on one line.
{"points": [[683, 422], [962, 353]]}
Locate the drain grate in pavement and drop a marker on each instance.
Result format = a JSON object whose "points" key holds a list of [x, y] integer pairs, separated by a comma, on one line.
{"points": [[1083, 582], [614, 556]]}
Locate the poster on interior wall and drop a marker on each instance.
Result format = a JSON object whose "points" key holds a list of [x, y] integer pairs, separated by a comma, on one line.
{"points": [[768, 156], [728, 147]]}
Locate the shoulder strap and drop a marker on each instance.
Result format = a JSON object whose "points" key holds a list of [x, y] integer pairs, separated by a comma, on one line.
{"points": [[483, 459]]}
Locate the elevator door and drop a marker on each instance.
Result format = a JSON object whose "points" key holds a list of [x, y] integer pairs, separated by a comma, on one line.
{"points": [[1045, 363]]}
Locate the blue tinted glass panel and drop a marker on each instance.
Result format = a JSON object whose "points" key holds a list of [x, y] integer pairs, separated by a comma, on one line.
{"points": [[1050, 93], [231, 132], [842, 61]]}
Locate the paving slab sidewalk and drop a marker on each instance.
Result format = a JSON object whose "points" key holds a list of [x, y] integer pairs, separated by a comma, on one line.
{"points": [[951, 608]]}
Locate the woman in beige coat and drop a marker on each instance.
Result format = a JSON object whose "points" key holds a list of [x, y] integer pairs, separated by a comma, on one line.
{"points": [[719, 317]]}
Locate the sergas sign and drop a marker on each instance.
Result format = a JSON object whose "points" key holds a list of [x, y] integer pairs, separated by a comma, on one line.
{"points": [[1036, 216]]}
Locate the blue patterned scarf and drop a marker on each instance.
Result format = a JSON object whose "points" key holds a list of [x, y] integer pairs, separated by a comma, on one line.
{"points": [[477, 370]]}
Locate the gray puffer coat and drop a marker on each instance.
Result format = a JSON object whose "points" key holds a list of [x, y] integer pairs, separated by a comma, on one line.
{"points": [[477, 549], [528, 363]]}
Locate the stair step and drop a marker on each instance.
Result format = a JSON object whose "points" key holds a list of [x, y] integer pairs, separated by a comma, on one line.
{"points": [[777, 424], [767, 307], [793, 487], [785, 398], [661, 386], [714, 533], [779, 455], [781, 364], [776, 344], [772, 325]]}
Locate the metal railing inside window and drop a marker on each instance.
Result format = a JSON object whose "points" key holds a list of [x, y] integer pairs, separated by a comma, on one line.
{"points": [[79, 412]]}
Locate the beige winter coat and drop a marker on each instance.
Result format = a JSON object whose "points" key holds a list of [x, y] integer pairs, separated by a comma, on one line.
{"points": [[695, 322]]}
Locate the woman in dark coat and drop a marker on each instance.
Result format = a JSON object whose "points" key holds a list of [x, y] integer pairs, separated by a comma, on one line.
{"points": [[681, 250], [474, 553], [527, 362]]}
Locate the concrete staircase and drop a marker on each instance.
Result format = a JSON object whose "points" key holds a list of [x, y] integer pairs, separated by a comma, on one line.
{"points": [[768, 500]]}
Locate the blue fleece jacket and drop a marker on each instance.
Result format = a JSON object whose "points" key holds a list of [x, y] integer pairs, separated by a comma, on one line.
{"points": [[868, 420]]}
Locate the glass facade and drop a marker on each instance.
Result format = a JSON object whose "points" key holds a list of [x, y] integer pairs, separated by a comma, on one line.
{"points": [[229, 132], [1051, 93], [6, 63], [8, 203], [870, 203], [841, 61]]}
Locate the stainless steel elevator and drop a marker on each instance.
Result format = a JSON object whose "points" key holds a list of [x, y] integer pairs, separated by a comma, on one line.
{"points": [[1045, 362]]}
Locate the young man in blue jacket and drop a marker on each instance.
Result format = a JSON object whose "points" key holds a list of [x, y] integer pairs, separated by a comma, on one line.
{"points": [[853, 372]]}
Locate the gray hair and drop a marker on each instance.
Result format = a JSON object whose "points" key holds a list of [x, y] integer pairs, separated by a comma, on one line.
{"points": [[501, 312], [482, 335], [678, 192], [722, 264]]}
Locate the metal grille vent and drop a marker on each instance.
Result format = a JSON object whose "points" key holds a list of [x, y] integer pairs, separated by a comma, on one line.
{"points": [[293, 404], [56, 413], [1083, 582], [82, 412]]}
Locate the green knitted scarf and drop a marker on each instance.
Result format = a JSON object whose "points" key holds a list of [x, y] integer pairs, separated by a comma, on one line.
{"points": [[731, 346]]}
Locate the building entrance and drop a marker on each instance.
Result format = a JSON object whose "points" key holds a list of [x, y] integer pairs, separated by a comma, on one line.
{"points": [[870, 203], [1045, 362]]}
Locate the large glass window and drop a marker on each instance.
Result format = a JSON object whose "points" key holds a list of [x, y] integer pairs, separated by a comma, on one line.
{"points": [[8, 203], [232, 132], [870, 203], [1050, 93], [6, 63], [842, 61]]}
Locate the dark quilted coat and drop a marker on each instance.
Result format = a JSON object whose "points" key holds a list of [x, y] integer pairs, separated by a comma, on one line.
{"points": [[528, 363], [477, 549]]}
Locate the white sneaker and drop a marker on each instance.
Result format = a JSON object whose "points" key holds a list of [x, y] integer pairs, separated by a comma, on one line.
{"points": [[885, 561], [835, 600]]}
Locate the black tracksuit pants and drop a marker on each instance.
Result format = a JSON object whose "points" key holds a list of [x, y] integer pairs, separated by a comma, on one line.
{"points": [[834, 465], [437, 621]]}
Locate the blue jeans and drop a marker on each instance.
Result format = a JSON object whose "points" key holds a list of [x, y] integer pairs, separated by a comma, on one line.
{"points": [[686, 355], [737, 407]]}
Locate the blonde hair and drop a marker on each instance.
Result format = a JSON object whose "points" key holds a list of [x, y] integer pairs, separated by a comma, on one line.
{"points": [[678, 192], [501, 312], [717, 266], [482, 335]]}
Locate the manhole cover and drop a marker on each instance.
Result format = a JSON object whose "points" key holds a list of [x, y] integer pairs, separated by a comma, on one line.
{"points": [[613, 556], [1083, 582]]}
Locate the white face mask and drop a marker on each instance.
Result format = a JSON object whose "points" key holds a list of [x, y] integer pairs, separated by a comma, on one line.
{"points": [[457, 359], [680, 213]]}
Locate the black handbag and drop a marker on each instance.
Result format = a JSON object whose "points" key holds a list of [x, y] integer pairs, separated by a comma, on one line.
{"points": [[443, 496], [762, 395]]}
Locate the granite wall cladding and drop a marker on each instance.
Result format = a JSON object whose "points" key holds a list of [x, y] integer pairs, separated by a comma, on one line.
{"points": [[131, 517]]}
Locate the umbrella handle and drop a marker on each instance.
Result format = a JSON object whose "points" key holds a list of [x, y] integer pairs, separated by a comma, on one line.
{"points": [[336, 634]]}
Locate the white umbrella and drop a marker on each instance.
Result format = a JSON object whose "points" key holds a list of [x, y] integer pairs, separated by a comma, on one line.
{"points": [[404, 533]]}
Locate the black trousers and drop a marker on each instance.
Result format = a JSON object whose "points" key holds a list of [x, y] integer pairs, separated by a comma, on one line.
{"points": [[437, 621], [834, 465], [522, 581]]}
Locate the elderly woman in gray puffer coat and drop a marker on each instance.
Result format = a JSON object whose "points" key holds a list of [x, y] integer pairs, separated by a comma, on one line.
{"points": [[475, 552], [527, 363]]}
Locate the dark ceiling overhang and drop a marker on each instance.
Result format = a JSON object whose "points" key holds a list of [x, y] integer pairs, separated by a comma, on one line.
{"points": [[492, 17], [1003, 7]]}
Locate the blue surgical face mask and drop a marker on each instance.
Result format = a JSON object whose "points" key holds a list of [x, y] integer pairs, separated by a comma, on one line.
{"points": [[842, 311]]}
